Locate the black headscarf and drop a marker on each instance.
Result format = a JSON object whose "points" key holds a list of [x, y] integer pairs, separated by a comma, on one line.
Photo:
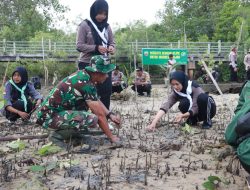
{"points": [[97, 7], [182, 78], [24, 76]]}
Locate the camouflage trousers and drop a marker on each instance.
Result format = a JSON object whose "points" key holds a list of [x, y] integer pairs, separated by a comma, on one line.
{"points": [[69, 119]]}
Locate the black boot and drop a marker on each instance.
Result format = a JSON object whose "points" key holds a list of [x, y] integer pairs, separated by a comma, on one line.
{"points": [[58, 140], [206, 125]]}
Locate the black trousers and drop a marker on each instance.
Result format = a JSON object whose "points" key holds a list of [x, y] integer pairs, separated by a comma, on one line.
{"points": [[233, 74], [19, 105], [248, 74], [206, 108], [117, 88], [142, 88], [104, 90]]}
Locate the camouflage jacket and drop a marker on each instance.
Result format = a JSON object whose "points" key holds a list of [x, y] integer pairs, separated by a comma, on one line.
{"points": [[71, 93]]}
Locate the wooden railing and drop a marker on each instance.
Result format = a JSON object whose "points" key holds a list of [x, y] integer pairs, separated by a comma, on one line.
{"points": [[15, 50]]}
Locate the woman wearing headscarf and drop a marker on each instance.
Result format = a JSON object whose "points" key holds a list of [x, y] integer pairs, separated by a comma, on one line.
{"points": [[95, 37], [18, 92], [195, 105]]}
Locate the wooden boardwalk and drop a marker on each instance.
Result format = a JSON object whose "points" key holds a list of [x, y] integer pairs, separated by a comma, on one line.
{"points": [[230, 87]]}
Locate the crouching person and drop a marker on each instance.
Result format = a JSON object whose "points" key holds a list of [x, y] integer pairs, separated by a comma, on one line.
{"points": [[66, 109], [20, 96], [142, 82], [118, 83], [195, 105], [237, 133]]}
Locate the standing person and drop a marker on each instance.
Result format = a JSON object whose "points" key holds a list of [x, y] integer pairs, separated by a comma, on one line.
{"points": [[142, 82], [171, 62], [169, 68], [95, 37], [18, 92], [247, 64], [195, 105], [233, 65], [118, 83], [66, 109]]}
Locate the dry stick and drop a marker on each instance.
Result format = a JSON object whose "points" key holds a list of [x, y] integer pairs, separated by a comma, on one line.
{"points": [[24, 137], [169, 91], [146, 170], [93, 168], [5, 74], [88, 187], [217, 86]]}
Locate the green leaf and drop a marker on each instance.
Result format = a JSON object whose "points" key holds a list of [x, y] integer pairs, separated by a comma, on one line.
{"points": [[16, 145], [48, 149], [37, 168], [66, 163], [188, 129], [214, 178], [208, 185], [51, 166]]}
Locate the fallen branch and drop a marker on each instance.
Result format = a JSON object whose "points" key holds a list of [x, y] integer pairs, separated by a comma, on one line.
{"points": [[24, 137]]}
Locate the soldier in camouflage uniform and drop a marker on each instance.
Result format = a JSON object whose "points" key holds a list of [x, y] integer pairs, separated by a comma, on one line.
{"points": [[66, 109]]}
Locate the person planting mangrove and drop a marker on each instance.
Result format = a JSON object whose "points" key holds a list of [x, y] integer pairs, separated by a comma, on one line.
{"points": [[95, 37], [73, 105], [20, 96], [195, 105]]}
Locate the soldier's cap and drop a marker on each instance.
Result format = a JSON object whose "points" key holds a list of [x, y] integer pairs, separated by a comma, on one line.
{"points": [[98, 63]]}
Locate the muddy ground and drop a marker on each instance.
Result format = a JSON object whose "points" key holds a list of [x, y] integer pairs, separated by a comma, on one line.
{"points": [[173, 157]]}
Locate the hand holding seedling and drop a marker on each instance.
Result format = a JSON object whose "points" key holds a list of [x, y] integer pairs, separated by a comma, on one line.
{"points": [[111, 50], [181, 116], [116, 119], [23, 115], [115, 139], [151, 127], [102, 49], [178, 118], [38, 102]]}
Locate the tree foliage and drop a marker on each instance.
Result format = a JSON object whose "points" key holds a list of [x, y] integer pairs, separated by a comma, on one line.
{"points": [[201, 20], [21, 19]]}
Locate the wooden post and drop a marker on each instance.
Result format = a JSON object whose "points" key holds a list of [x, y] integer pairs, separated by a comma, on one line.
{"points": [[135, 53], [219, 47], [24, 137], [208, 48], [5, 74], [217, 86], [44, 66], [54, 47], [4, 46], [179, 43], [49, 45], [14, 48]]}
